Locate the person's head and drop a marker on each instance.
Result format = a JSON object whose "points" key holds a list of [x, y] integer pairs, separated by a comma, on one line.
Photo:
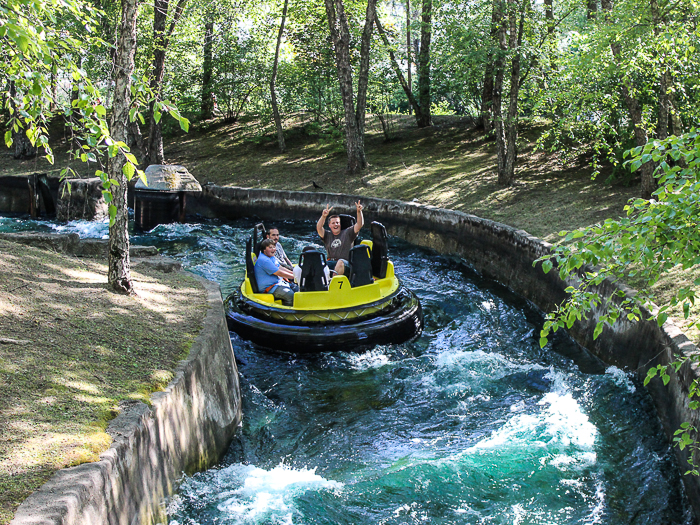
{"points": [[334, 224], [274, 234], [268, 247]]}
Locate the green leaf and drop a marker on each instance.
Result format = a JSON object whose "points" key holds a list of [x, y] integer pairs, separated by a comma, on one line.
{"points": [[23, 43], [547, 266], [101, 111], [651, 374], [184, 124], [8, 138], [156, 116], [543, 342], [598, 329], [661, 318], [112, 214], [128, 170]]}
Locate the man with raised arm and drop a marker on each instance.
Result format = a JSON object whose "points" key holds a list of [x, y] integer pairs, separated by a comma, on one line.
{"points": [[338, 242]]}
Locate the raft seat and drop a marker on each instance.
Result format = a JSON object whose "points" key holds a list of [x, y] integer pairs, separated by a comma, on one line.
{"points": [[361, 266], [313, 278]]}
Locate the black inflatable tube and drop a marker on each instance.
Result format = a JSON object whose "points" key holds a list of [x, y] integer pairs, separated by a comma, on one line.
{"points": [[401, 324]]}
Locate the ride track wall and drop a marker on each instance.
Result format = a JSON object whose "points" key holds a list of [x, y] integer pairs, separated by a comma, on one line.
{"points": [[187, 428], [506, 255]]}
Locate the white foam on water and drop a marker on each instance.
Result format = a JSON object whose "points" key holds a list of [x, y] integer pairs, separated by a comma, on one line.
{"points": [[598, 506], [267, 496], [561, 424], [85, 229], [621, 378], [375, 358]]}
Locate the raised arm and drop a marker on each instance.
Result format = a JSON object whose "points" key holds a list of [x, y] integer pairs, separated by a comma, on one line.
{"points": [[360, 218], [322, 221]]}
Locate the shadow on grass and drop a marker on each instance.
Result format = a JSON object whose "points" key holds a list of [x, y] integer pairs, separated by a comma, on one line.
{"points": [[71, 351]]}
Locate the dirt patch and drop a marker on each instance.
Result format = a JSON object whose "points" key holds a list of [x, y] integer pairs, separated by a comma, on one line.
{"points": [[71, 351]]}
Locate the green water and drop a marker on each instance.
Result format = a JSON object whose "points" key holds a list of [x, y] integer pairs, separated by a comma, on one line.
{"points": [[472, 423]]}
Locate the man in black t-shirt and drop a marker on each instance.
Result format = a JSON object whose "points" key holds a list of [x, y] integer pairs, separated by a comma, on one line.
{"points": [[338, 242]]}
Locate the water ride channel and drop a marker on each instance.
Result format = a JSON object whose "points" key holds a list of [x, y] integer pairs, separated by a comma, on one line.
{"points": [[469, 423]]}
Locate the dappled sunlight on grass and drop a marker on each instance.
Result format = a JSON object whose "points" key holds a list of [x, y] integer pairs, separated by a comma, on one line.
{"points": [[80, 350]]}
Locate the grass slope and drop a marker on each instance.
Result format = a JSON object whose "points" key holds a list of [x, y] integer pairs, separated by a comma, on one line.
{"points": [[71, 351]]}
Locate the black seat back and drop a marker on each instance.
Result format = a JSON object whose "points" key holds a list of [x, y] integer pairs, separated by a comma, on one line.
{"points": [[249, 266], [360, 266], [258, 237], [380, 250], [313, 278], [348, 221]]}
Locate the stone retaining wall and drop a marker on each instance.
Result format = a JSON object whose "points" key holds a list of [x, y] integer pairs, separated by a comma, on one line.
{"points": [[504, 254], [187, 428]]}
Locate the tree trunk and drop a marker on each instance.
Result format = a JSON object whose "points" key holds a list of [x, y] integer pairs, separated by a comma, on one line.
{"points": [[397, 70], [161, 39], [424, 64], [591, 9], [516, 40], [635, 112], [207, 108], [408, 49], [363, 75], [273, 95], [551, 36], [340, 34], [22, 146], [119, 275], [155, 133], [676, 123], [664, 79], [499, 66], [487, 92]]}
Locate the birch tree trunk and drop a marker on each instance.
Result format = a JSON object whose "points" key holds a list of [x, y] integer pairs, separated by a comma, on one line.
{"points": [[363, 76], [499, 66], [161, 39], [119, 275], [424, 64], [408, 49], [516, 40], [340, 35], [273, 78], [207, 107], [487, 91]]}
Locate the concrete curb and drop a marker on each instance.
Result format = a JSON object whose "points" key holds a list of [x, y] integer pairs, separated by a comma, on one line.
{"points": [[506, 255], [187, 428]]}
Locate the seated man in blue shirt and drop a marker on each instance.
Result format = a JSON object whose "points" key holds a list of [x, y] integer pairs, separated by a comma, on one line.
{"points": [[270, 274]]}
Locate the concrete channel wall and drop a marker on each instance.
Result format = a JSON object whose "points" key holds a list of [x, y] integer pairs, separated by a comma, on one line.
{"points": [[506, 255], [187, 428]]}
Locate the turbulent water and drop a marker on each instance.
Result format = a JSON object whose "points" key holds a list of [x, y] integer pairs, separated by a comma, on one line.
{"points": [[472, 423]]}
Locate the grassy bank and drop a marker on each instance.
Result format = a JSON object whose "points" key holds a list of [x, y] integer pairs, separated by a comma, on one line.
{"points": [[72, 352]]}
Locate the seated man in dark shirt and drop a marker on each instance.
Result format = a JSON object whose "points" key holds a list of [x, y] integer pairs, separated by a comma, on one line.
{"points": [[338, 242]]}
